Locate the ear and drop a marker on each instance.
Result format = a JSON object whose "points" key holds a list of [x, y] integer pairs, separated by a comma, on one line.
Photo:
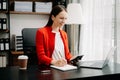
{"points": [[53, 17]]}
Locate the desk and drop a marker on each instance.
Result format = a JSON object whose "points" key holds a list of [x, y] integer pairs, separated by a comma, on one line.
{"points": [[33, 73]]}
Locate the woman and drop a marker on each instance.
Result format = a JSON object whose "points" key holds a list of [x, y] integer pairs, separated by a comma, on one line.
{"points": [[51, 40]]}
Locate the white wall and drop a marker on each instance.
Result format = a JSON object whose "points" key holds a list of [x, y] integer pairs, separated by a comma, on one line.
{"points": [[20, 21]]}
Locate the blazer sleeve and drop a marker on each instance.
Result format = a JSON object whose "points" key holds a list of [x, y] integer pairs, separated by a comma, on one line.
{"points": [[41, 48], [67, 51]]}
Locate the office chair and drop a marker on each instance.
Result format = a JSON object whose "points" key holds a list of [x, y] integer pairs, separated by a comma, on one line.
{"points": [[29, 46]]}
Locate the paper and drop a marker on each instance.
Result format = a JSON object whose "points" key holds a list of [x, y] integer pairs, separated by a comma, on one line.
{"points": [[65, 68]]}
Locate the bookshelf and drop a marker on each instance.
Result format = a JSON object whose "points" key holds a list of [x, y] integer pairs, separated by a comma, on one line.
{"points": [[4, 33]]}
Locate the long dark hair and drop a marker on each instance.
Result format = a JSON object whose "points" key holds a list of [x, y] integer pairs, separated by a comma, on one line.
{"points": [[55, 11]]}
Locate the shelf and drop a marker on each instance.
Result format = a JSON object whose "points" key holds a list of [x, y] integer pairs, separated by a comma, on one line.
{"points": [[4, 31], [3, 11], [32, 13], [14, 58], [17, 52]]}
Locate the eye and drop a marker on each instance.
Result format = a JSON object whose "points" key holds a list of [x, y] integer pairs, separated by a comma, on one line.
{"points": [[62, 18]]}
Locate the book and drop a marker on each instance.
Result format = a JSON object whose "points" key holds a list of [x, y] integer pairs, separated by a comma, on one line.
{"points": [[65, 68]]}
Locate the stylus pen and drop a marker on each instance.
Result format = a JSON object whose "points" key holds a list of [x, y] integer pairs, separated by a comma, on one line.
{"points": [[57, 55], [60, 55]]}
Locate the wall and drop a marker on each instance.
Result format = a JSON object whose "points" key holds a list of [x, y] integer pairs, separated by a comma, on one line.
{"points": [[117, 31], [20, 21]]}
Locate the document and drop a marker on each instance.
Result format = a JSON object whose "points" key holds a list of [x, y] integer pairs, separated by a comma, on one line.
{"points": [[65, 68]]}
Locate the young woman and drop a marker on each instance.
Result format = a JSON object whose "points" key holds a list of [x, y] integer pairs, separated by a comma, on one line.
{"points": [[51, 40]]}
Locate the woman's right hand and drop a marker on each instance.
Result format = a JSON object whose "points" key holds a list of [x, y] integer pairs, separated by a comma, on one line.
{"points": [[59, 63]]}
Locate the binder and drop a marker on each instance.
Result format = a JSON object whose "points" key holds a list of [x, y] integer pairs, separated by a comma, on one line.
{"points": [[4, 23], [0, 61], [17, 43], [0, 5], [0, 23], [4, 4], [1, 44], [6, 44], [4, 62]]}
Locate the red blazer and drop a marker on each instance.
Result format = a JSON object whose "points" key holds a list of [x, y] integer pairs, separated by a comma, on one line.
{"points": [[45, 42]]}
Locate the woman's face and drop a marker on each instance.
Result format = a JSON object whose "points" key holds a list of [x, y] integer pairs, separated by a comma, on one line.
{"points": [[60, 19]]}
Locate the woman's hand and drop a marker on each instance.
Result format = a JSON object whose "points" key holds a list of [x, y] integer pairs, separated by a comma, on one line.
{"points": [[59, 63], [75, 59]]}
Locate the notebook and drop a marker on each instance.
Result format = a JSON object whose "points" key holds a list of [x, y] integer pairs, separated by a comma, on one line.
{"points": [[65, 68], [100, 64]]}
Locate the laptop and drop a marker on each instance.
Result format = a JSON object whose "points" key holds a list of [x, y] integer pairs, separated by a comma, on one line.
{"points": [[100, 64]]}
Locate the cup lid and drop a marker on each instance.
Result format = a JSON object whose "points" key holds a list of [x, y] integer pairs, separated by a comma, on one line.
{"points": [[22, 57]]}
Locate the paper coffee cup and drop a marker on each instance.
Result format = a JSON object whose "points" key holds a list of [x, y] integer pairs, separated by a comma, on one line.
{"points": [[22, 61]]}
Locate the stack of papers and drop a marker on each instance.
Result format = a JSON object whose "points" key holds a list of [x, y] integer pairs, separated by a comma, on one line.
{"points": [[65, 68], [43, 7], [23, 6]]}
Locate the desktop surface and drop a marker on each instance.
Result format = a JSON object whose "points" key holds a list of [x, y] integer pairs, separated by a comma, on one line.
{"points": [[34, 73]]}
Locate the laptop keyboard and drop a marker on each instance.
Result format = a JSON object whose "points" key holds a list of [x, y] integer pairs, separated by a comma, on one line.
{"points": [[91, 63], [97, 64]]}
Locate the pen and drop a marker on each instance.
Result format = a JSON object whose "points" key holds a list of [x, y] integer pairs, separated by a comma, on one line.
{"points": [[60, 54]]}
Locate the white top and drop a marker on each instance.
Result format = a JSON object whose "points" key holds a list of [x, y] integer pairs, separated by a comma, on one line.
{"points": [[58, 52]]}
